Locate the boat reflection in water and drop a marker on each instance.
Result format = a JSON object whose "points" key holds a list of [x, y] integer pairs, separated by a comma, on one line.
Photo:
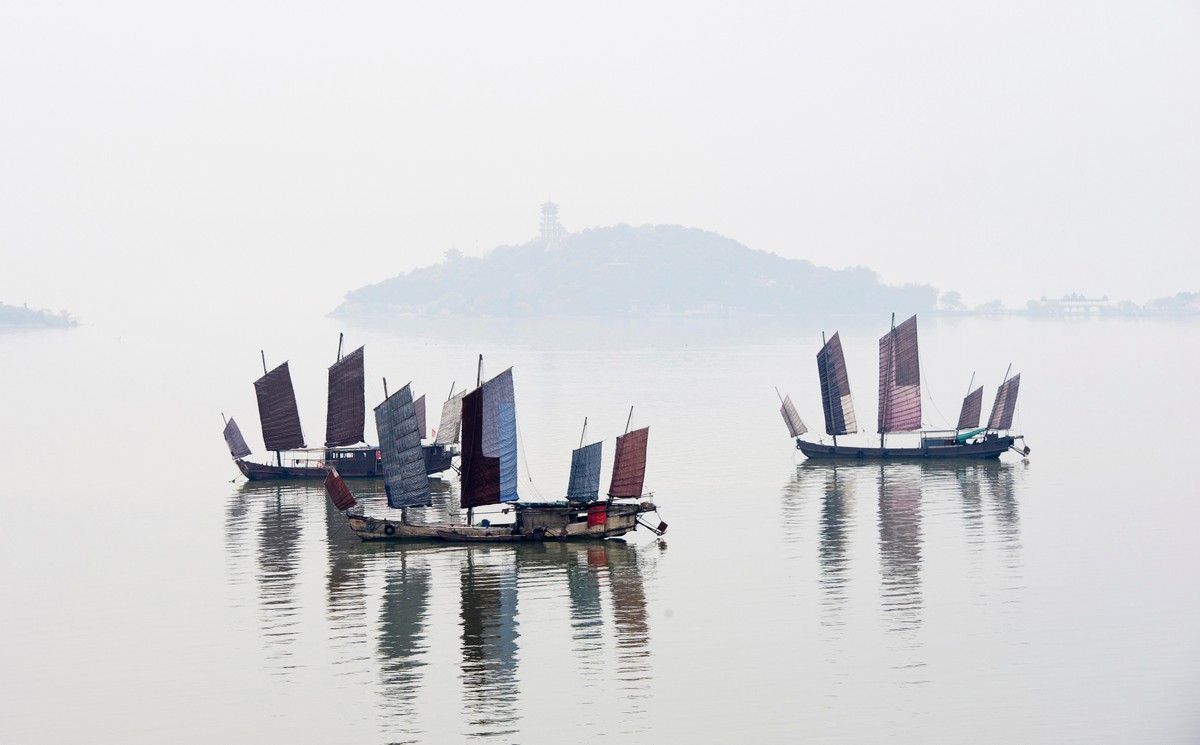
{"points": [[280, 537], [978, 499], [440, 631]]}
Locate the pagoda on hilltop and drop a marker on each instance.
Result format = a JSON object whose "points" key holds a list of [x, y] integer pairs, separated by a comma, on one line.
{"points": [[553, 232]]}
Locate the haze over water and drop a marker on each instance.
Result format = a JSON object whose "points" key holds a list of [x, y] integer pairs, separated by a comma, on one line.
{"points": [[153, 595]]}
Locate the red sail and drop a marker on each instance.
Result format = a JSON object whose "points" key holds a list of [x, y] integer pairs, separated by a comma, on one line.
{"points": [[420, 406], [336, 488], [346, 412], [971, 409], [629, 466], [899, 379], [480, 474], [277, 410]]}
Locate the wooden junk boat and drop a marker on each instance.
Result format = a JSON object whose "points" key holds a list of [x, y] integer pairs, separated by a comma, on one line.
{"points": [[345, 444], [488, 476], [900, 408]]}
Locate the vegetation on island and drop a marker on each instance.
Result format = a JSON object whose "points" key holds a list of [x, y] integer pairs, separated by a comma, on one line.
{"points": [[652, 270], [12, 316], [1076, 305]]}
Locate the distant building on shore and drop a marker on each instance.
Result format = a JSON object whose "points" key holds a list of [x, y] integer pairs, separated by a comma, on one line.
{"points": [[1071, 306], [553, 232]]}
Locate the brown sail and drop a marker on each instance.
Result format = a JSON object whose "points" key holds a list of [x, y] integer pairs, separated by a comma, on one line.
{"points": [[835, 389], [336, 488], [346, 413], [277, 410], [629, 465], [971, 409], [419, 404], [899, 379], [480, 474], [1006, 404]]}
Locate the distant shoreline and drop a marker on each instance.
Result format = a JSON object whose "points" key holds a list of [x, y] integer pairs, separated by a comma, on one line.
{"points": [[15, 318]]}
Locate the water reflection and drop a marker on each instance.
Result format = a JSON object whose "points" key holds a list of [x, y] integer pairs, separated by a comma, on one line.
{"points": [[489, 641], [279, 541], [386, 617], [906, 496], [832, 551], [402, 647], [900, 545]]}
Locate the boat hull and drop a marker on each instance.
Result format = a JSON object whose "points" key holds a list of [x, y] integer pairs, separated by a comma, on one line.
{"points": [[990, 447], [371, 529], [491, 534], [350, 463], [565, 522], [534, 522]]}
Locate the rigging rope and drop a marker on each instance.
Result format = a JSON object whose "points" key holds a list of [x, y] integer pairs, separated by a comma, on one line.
{"points": [[945, 421], [525, 457]]}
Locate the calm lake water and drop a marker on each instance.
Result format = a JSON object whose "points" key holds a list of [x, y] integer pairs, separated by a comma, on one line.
{"points": [[151, 596]]}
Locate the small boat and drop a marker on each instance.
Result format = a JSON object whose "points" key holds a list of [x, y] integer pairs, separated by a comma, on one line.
{"points": [[900, 408], [345, 445], [582, 515], [488, 477], [404, 479]]}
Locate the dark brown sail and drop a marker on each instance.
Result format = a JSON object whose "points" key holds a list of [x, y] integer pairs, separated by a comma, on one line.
{"points": [[277, 410], [480, 474], [346, 413], [1006, 404], [629, 465], [971, 409]]}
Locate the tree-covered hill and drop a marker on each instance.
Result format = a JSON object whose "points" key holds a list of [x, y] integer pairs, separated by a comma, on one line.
{"points": [[12, 316], [659, 270]]}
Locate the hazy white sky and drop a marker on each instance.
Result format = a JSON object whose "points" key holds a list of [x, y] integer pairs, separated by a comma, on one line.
{"points": [[168, 154]]}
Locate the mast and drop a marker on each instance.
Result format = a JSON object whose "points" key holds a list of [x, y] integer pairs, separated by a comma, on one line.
{"points": [[340, 336], [885, 404], [581, 434], [825, 374], [629, 420]]}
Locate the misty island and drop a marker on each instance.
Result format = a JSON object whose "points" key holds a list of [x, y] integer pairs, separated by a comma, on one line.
{"points": [[24, 317], [674, 271], [649, 270]]}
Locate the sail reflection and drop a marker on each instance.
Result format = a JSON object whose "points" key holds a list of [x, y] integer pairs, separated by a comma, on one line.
{"points": [[278, 545], [345, 588], [402, 634], [390, 609], [900, 545], [907, 495], [489, 642]]}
